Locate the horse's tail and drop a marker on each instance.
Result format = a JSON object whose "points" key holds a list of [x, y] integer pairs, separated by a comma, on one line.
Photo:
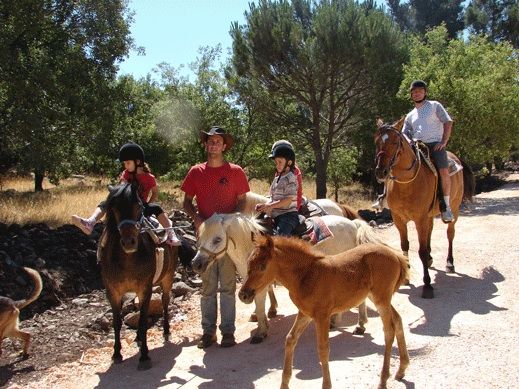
{"points": [[404, 271], [37, 288], [365, 233], [348, 212], [469, 182]]}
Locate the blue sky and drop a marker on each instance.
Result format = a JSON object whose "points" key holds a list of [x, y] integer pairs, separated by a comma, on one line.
{"points": [[172, 31]]}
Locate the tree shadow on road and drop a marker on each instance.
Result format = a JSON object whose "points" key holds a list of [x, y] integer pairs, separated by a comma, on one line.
{"points": [[454, 293], [503, 206]]}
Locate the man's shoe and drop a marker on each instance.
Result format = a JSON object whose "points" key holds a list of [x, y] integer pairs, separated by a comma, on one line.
{"points": [[228, 340], [206, 341], [84, 225], [447, 216]]}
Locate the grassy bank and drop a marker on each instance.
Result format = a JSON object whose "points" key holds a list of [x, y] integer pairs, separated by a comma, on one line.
{"points": [[19, 204]]}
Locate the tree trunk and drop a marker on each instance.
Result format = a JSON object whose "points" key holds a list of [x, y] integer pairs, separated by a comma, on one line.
{"points": [[38, 180], [320, 180]]}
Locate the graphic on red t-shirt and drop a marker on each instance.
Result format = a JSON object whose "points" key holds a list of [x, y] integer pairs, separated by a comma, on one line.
{"points": [[216, 189], [146, 182]]}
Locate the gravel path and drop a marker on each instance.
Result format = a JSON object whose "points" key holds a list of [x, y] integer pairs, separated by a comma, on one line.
{"points": [[463, 338]]}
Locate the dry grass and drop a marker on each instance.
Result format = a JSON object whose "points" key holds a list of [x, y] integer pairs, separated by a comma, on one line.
{"points": [[54, 206]]}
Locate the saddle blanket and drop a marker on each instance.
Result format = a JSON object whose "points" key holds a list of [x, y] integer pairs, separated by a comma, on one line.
{"points": [[320, 231]]}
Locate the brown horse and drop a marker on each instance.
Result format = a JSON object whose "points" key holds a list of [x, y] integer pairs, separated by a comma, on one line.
{"points": [[129, 264], [322, 285], [411, 188]]}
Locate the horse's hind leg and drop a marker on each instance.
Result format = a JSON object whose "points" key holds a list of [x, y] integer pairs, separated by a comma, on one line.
{"points": [[166, 288], [402, 347], [363, 319], [144, 298], [298, 327]]}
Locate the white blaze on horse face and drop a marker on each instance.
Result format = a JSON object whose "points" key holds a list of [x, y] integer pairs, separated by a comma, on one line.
{"points": [[384, 138]]}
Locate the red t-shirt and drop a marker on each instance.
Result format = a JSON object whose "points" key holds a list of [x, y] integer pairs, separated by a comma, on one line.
{"points": [[216, 188], [146, 182]]}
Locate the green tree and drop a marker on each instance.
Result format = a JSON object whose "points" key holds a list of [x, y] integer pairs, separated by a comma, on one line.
{"points": [[418, 16], [58, 62], [323, 67], [343, 166], [477, 82], [497, 19]]}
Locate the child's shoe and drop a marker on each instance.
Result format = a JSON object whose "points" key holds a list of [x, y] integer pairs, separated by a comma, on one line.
{"points": [[172, 239], [86, 225]]}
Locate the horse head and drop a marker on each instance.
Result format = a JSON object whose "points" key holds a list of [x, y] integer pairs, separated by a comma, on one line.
{"points": [[389, 142], [124, 214], [258, 272], [213, 242]]}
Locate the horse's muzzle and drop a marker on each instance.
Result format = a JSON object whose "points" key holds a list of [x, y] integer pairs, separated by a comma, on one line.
{"points": [[199, 263], [130, 244], [247, 295], [381, 174]]}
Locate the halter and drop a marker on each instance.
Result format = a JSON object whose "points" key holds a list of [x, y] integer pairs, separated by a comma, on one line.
{"points": [[393, 160], [212, 255], [134, 223]]}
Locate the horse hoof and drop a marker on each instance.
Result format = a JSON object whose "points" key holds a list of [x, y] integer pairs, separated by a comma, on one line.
{"points": [[399, 375], [117, 359], [272, 313], [253, 318], [428, 293], [429, 262], [449, 268], [359, 331], [257, 339], [144, 365]]}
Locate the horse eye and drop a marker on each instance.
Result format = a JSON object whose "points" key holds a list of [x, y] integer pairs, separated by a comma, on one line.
{"points": [[217, 240]]}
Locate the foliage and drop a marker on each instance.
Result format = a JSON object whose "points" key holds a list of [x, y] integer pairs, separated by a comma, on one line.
{"points": [[58, 60], [343, 165], [477, 82], [318, 70], [499, 20]]}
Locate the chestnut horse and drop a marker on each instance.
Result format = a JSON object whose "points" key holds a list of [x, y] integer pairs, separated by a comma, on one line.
{"points": [[129, 264], [322, 285], [411, 189]]}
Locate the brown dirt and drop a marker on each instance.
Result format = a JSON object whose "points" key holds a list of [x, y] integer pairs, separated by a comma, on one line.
{"points": [[464, 337]]}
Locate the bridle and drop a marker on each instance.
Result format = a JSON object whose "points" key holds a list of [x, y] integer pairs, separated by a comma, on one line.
{"points": [[213, 255], [394, 158]]}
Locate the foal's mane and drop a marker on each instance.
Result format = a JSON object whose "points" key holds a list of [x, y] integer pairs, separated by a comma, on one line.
{"points": [[298, 249]]}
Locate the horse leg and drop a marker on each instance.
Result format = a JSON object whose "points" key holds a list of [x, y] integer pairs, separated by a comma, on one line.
{"points": [[165, 310], [402, 348], [429, 236], [422, 228], [363, 319], [401, 226], [273, 310], [144, 298], [297, 329], [449, 268], [386, 314], [117, 324], [262, 330], [323, 348]]}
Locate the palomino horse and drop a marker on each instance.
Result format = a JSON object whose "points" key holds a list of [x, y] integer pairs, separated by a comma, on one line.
{"points": [[129, 264], [231, 234], [328, 206], [322, 285], [412, 193]]}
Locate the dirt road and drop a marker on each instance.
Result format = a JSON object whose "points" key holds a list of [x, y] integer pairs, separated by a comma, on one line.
{"points": [[466, 337]]}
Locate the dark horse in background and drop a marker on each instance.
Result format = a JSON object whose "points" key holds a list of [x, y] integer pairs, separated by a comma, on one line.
{"points": [[411, 188], [129, 264]]}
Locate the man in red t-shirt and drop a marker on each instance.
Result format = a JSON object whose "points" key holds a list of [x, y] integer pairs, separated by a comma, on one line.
{"points": [[219, 187]]}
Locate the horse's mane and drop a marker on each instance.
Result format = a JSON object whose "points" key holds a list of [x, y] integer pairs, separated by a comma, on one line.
{"points": [[124, 192], [297, 248], [245, 222]]}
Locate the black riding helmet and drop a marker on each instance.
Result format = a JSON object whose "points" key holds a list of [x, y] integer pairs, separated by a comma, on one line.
{"points": [[418, 84], [131, 152], [284, 149]]}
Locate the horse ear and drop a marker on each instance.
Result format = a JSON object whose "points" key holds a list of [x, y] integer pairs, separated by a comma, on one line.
{"points": [[399, 124], [379, 122]]}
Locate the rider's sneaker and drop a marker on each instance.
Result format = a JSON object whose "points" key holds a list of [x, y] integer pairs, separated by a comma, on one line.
{"points": [[172, 239], [447, 216], [85, 225]]}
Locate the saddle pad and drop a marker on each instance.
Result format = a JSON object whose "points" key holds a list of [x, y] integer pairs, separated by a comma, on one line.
{"points": [[320, 231], [454, 167]]}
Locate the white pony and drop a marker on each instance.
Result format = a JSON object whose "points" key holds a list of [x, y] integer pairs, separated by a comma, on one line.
{"points": [[231, 234], [329, 207]]}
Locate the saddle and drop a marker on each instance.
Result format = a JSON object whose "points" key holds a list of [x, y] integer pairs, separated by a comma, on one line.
{"points": [[310, 208], [312, 230]]}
